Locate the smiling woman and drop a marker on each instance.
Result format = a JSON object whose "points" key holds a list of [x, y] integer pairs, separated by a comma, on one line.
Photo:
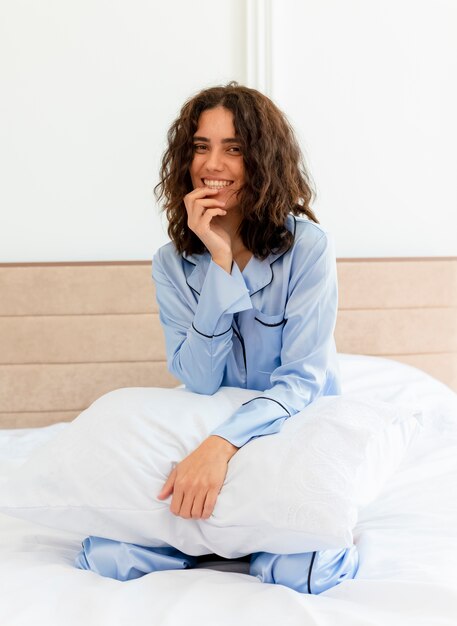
{"points": [[217, 174], [247, 298]]}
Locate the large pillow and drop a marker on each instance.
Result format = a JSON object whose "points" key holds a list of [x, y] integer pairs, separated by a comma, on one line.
{"points": [[295, 491]]}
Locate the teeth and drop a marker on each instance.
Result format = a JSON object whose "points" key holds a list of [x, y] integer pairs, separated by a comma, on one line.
{"points": [[217, 184]]}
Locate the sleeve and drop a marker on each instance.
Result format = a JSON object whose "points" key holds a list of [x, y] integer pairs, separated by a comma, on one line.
{"points": [[308, 353], [199, 340]]}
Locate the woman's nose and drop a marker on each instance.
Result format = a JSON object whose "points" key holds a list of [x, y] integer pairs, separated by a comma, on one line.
{"points": [[214, 160]]}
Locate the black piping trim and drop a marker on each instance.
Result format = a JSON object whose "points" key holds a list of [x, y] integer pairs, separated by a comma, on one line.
{"points": [[271, 400], [271, 264], [310, 571], [271, 280], [271, 325], [211, 336], [241, 340], [224, 333], [190, 287]]}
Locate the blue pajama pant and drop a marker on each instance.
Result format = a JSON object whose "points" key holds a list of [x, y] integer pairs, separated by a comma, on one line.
{"points": [[309, 572]]}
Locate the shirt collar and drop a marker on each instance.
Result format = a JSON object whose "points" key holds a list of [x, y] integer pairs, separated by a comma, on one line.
{"points": [[257, 274]]}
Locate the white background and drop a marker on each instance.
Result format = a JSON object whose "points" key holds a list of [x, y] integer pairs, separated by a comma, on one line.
{"points": [[89, 89]]}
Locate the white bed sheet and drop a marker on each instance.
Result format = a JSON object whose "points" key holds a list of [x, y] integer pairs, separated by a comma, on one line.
{"points": [[407, 540]]}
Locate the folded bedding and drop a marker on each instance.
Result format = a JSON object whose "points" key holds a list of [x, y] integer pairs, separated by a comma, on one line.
{"points": [[297, 491]]}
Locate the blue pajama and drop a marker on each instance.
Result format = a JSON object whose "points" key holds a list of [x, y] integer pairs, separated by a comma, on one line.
{"points": [[311, 572], [268, 328]]}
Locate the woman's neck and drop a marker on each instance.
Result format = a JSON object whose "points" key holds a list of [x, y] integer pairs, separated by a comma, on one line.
{"points": [[242, 258]]}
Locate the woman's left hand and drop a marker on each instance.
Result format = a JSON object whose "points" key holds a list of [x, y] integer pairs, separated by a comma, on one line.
{"points": [[196, 482]]}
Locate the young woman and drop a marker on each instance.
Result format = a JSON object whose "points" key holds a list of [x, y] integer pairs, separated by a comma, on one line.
{"points": [[247, 295]]}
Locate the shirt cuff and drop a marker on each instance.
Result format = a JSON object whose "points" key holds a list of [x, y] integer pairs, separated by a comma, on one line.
{"points": [[257, 417], [222, 295]]}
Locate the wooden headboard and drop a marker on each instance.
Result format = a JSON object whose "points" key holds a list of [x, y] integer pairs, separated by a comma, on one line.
{"points": [[70, 332]]}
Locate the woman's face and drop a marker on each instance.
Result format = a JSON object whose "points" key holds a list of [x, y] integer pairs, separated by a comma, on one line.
{"points": [[217, 160]]}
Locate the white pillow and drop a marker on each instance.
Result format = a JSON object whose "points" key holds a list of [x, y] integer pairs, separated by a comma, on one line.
{"points": [[296, 491]]}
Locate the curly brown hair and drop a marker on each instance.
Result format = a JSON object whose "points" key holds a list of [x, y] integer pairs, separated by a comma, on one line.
{"points": [[276, 180]]}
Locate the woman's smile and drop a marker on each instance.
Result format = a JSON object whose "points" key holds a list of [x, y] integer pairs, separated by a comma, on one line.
{"points": [[216, 183]]}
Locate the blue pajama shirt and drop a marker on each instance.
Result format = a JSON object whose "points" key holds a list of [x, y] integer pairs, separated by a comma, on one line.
{"points": [[268, 328]]}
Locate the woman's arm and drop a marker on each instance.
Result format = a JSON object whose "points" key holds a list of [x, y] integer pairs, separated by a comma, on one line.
{"points": [[198, 337], [308, 357]]}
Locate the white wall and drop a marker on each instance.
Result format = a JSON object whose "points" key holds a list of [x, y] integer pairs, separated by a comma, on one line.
{"points": [[371, 87], [88, 91], [89, 88]]}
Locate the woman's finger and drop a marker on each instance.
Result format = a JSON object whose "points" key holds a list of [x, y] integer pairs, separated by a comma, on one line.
{"points": [[201, 192], [210, 503], [167, 489], [199, 208], [208, 202], [201, 224], [210, 213], [176, 502], [198, 211], [185, 505], [200, 195], [197, 507], [197, 195]]}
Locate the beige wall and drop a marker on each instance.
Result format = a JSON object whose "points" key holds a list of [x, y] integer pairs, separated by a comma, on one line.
{"points": [[70, 333]]}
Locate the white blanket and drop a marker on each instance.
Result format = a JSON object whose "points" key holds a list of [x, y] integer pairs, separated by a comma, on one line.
{"points": [[407, 540]]}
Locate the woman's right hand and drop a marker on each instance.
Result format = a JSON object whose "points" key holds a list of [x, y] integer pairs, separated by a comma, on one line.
{"points": [[203, 213]]}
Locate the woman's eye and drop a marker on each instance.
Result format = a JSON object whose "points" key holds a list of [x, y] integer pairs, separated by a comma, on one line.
{"points": [[235, 149], [200, 147]]}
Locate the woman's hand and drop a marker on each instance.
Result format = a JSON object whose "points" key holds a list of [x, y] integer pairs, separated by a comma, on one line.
{"points": [[203, 211], [196, 482]]}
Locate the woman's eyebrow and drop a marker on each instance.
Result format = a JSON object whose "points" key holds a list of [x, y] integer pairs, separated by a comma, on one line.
{"points": [[228, 140]]}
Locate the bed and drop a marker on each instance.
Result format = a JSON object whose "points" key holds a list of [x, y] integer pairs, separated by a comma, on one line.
{"points": [[72, 332]]}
